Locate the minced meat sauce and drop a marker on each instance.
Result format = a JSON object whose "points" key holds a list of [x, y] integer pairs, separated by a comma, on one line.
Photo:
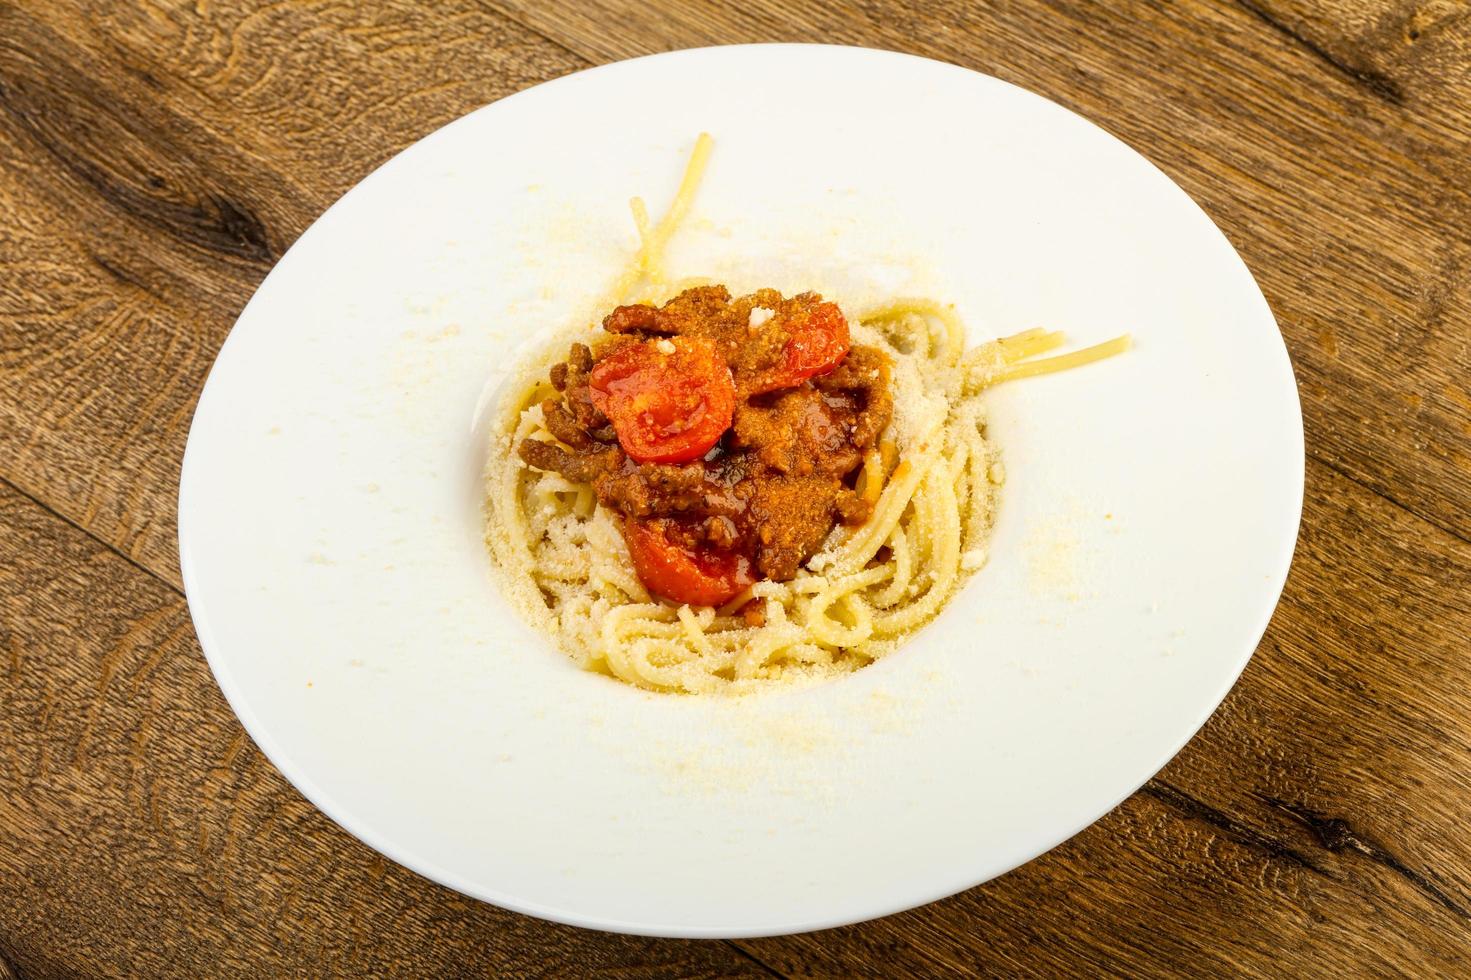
{"points": [[804, 407]]}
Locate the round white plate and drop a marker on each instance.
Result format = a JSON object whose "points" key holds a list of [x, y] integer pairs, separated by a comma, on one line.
{"points": [[329, 508]]}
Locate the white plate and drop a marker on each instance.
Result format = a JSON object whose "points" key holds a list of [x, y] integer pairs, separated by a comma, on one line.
{"points": [[329, 503]]}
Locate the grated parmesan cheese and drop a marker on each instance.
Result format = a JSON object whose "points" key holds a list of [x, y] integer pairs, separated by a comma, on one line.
{"points": [[759, 315]]}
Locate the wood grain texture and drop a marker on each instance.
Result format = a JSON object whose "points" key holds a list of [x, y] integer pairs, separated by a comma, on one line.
{"points": [[143, 835], [1409, 53], [156, 156], [158, 159]]}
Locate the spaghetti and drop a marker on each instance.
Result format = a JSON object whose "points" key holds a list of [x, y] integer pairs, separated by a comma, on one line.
{"points": [[931, 483]]}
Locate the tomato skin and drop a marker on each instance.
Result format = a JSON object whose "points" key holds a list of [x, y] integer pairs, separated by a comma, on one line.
{"points": [[681, 574], [817, 342], [669, 400]]}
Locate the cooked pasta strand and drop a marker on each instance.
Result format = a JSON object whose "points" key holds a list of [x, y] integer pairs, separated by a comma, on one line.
{"points": [[931, 482], [1062, 362]]}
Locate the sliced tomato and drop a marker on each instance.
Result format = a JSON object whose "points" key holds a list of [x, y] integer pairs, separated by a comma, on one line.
{"points": [[669, 399], [817, 342], [698, 576]]}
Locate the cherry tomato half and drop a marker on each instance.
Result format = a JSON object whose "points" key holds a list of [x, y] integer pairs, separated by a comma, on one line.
{"points": [[817, 342], [669, 399], [700, 577]]}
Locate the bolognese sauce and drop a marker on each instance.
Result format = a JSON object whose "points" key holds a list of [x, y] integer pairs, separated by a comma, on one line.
{"points": [[727, 433]]}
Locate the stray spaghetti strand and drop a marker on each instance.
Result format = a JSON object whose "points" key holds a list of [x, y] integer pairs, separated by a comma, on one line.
{"points": [[931, 481]]}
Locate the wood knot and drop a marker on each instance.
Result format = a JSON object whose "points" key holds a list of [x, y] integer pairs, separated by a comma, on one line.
{"points": [[1333, 834]]}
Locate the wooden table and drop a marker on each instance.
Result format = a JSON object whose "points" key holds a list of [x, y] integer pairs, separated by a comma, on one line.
{"points": [[159, 155]]}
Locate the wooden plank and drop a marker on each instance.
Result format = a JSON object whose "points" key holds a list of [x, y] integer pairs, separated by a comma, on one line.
{"points": [[1351, 210], [1313, 828], [1413, 54], [157, 161], [142, 834], [320, 92]]}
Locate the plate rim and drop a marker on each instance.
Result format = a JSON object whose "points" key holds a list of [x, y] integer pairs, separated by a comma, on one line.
{"points": [[280, 757]]}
